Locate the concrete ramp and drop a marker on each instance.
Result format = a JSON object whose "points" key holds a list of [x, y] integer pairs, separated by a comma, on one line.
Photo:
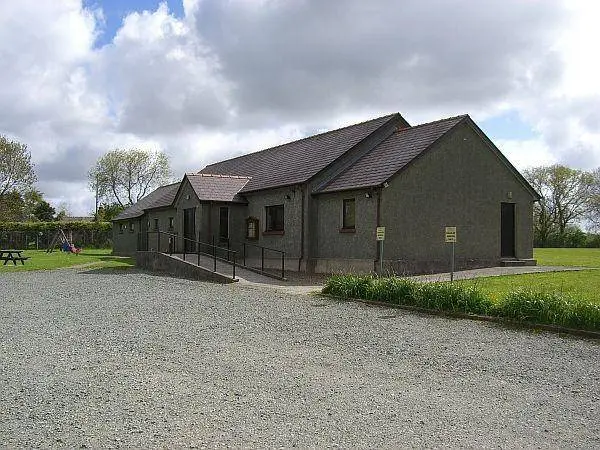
{"points": [[177, 267], [225, 268]]}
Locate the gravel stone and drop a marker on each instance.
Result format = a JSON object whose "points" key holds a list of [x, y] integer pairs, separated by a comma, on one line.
{"points": [[128, 359]]}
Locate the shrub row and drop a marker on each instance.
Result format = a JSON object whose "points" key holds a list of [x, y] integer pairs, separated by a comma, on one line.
{"points": [[37, 227], [523, 305], [40, 234]]}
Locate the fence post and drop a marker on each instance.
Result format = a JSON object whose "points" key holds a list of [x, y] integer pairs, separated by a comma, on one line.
{"points": [[262, 259], [214, 254], [282, 265], [244, 253], [234, 265], [158, 241]]}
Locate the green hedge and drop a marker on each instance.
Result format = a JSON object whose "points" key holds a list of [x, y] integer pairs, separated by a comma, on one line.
{"points": [[36, 227], [40, 234], [525, 306]]}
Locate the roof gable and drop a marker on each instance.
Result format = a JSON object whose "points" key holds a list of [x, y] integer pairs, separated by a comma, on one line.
{"points": [[159, 198], [298, 161], [392, 155], [219, 188]]}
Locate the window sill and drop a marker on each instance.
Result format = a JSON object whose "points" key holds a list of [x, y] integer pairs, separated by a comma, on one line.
{"points": [[347, 230], [273, 233]]}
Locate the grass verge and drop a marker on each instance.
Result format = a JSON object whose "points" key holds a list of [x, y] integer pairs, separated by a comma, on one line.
{"points": [[578, 257], [523, 305], [95, 259]]}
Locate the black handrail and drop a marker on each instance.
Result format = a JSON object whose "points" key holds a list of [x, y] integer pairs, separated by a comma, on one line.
{"points": [[262, 258], [173, 237]]}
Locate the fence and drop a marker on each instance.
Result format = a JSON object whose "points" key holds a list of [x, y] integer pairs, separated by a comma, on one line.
{"points": [[31, 238]]}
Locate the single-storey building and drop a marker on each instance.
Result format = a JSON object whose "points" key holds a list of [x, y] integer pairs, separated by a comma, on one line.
{"points": [[321, 199]]}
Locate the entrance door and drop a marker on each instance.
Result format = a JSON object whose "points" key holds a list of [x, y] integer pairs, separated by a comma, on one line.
{"points": [[223, 224], [507, 230], [189, 229]]}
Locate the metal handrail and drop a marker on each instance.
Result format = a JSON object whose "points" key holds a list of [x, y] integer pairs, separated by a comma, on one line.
{"points": [[262, 258], [173, 236]]}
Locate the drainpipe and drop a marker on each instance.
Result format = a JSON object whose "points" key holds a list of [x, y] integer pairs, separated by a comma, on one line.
{"points": [[301, 231], [378, 220]]}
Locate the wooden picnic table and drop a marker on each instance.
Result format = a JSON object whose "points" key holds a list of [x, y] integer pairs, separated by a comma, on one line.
{"points": [[12, 255]]}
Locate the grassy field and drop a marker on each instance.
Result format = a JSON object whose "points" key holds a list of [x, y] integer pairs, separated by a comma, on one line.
{"points": [[581, 284], [92, 258], [579, 257]]}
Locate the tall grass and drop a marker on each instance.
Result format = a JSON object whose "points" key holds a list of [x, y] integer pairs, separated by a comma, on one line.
{"points": [[523, 305]]}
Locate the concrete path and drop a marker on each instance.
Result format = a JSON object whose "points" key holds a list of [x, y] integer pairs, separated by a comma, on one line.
{"points": [[289, 287], [493, 272], [299, 283]]}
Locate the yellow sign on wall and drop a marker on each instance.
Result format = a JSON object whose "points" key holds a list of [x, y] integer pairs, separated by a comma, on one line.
{"points": [[450, 234], [381, 233]]}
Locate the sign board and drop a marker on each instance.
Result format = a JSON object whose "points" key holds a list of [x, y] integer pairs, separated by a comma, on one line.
{"points": [[450, 234], [381, 233]]}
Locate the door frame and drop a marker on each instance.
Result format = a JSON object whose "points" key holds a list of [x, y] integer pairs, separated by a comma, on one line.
{"points": [[187, 221], [223, 238], [511, 251]]}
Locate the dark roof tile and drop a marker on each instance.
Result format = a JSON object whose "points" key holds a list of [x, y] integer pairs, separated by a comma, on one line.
{"points": [[391, 155], [219, 188], [159, 198], [296, 162]]}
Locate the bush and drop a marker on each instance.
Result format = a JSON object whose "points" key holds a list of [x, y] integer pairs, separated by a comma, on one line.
{"points": [[526, 306], [551, 308], [27, 234], [402, 291]]}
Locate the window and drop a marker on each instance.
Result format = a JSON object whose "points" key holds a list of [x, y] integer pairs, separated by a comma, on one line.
{"points": [[122, 227], [131, 227], [274, 219], [251, 228], [171, 222], [156, 224], [349, 214], [223, 223]]}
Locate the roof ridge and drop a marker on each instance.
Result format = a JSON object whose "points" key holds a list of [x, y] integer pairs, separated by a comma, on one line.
{"points": [[166, 185], [460, 116], [216, 175], [306, 137]]}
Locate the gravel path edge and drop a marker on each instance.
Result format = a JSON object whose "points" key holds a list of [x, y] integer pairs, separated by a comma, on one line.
{"points": [[481, 318]]}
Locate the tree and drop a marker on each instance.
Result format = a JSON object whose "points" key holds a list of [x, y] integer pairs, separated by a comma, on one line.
{"points": [[16, 168], [566, 199], [594, 211], [44, 211], [107, 212], [125, 176], [11, 207]]}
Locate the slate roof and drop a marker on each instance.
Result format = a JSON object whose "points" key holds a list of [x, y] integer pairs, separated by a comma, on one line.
{"points": [[159, 198], [296, 162], [391, 155], [220, 188]]}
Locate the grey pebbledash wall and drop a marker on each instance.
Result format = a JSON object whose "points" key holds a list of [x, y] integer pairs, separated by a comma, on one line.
{"points": [[458, 182], [344, 250]]}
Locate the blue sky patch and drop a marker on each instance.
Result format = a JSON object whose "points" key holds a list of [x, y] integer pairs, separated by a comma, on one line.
{"points": [[116, 10], [507, 126]]}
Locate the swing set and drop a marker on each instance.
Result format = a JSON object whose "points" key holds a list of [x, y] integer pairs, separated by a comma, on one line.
{"points": [[60, 239]]}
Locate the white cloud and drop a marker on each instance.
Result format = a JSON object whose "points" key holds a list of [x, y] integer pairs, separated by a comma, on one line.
{"points": [[237, 76]]}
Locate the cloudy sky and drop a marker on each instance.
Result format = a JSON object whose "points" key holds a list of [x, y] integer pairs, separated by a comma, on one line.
{"points": [[204, 80]]}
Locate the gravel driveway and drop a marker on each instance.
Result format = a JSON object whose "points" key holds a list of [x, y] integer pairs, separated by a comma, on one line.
{"points": [[129, 359]]}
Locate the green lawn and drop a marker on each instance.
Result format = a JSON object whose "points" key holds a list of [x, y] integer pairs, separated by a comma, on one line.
{"points": [[579, 257], [92, 258], [583, 284]]}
